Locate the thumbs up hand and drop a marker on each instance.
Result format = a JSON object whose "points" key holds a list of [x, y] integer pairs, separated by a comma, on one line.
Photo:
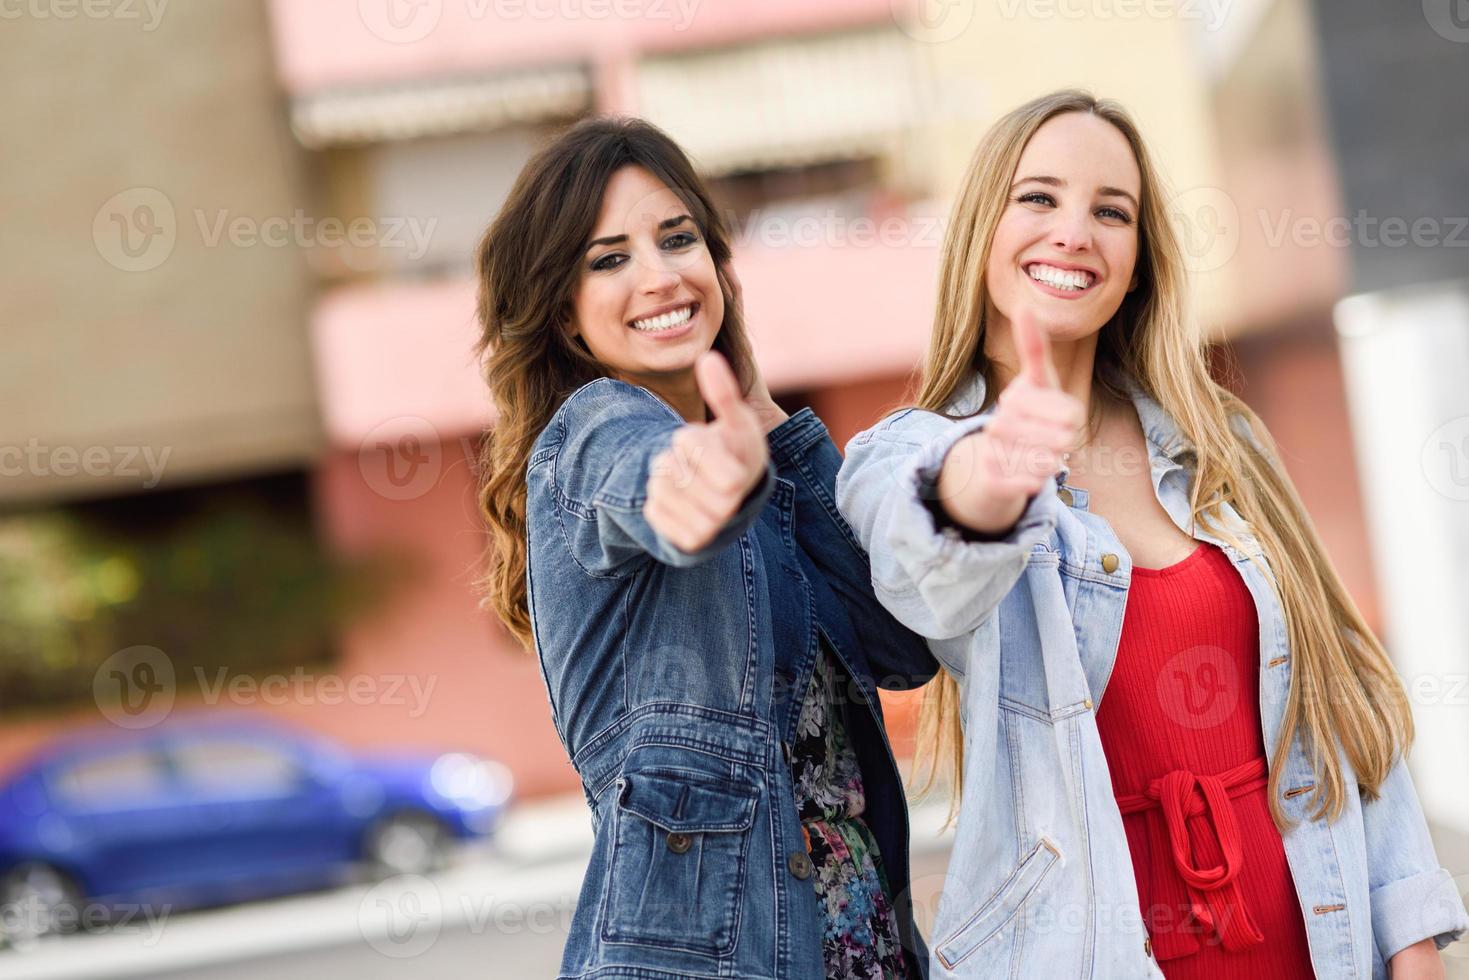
{"points": [[698, 483], [988, 477]]}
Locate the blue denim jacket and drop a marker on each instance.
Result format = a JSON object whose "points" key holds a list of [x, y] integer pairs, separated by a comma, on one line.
{"points": [[1041, 881], [675, 683]]}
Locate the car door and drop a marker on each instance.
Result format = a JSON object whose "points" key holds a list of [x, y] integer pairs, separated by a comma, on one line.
{"points": [[118, 816], [262, 813]]}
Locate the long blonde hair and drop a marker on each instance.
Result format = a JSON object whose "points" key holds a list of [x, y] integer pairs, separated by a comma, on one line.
{"points": [[1342, 684]]}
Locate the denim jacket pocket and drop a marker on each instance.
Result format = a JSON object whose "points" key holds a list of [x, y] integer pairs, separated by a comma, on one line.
{"points": [[994, 914], [678, 861]]}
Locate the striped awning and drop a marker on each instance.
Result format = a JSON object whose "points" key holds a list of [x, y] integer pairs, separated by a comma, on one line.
{"points": [[785, 102], [440, 107]]}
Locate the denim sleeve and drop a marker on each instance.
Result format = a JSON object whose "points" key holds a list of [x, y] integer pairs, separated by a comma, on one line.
{"points": [[1412, 897], [933, 581], [610, 433], [803, 453]]}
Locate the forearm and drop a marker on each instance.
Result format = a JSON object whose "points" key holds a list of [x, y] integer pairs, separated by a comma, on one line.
{"points": [[1420, 961]]}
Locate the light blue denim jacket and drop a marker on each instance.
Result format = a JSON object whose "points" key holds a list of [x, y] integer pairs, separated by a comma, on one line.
{"points": [[1041, 882]]}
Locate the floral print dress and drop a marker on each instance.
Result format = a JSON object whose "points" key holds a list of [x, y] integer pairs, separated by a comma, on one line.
{"points": [[860, 931]]}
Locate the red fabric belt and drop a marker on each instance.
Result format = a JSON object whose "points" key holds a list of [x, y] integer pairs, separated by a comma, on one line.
{"points": [[1210, 897]]}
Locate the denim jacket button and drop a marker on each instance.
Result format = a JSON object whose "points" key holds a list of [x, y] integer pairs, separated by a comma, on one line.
{"points": [[1065, 495], [679, 843], [800, 864], [1109, 563]]}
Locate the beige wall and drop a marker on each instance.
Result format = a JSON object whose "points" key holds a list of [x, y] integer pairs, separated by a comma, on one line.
{"points": [[194, 358]]}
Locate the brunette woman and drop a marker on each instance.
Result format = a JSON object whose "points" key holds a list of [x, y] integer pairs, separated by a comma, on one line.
{"points": [[668, 541]]}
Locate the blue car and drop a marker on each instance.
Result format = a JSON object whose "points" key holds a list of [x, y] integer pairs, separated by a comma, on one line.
{"points": [[191, 813]]}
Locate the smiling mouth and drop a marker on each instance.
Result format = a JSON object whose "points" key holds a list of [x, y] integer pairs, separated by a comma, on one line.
{"points": [[671, 320], [1067, 280]]}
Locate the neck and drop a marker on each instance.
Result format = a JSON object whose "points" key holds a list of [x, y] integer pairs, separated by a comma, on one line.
{"points": [[680, 391]]}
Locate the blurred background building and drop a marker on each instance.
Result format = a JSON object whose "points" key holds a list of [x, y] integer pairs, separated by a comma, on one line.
{"points": [[240, 407]]}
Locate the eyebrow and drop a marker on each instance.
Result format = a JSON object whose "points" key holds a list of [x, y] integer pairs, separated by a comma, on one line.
{"points": [[1058, 182], [663, 225]]}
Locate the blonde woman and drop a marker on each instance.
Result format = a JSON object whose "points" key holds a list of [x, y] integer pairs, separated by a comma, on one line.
{"points": [[1177, 747]]}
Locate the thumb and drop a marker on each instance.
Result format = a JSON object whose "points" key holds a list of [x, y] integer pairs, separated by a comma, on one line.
{"points": [[734, 421], [720, 390], [1034, 350]]}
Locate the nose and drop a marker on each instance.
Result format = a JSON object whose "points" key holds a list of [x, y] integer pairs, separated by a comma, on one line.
{"points": [[1073, 230], [656, 273]]}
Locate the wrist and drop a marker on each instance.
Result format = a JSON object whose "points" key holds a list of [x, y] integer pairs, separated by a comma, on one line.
{"points": [[959, 492], [770, 416]]}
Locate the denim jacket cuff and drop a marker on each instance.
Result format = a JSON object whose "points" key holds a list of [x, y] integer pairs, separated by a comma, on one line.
{"points": [[1412, 909], [1033, 524], [794, 436]]}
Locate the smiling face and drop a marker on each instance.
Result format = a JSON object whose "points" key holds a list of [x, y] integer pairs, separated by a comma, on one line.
{"points": [[1067, 242], [648, 301]]}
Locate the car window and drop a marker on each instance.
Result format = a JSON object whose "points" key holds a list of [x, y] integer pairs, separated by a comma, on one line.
{"points": [[111, 778], [243, 766]]}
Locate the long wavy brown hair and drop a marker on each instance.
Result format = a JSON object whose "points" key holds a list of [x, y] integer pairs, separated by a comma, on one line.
{"points": [[529, 264], [1343, 687]]}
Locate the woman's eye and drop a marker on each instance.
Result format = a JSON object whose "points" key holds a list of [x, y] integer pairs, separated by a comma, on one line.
{"points": [[1115, 213], [610, 260], [1036, 197], [681, 239]]}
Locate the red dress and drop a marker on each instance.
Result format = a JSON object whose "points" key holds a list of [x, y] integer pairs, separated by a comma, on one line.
{"points": [[1180, 726]]}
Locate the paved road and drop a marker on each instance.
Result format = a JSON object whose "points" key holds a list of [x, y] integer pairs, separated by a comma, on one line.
{"points": [[502, 914]]}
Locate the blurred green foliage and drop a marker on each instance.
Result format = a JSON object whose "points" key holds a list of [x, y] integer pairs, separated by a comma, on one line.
{"points": [[225, 579]]}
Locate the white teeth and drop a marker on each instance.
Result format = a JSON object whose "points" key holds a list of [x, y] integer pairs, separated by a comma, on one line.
{"points": [[665, 321], [1060, 278]]}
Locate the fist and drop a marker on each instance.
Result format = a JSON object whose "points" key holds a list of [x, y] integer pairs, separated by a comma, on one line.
{"points": [[698, 483], [987, 477]]}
